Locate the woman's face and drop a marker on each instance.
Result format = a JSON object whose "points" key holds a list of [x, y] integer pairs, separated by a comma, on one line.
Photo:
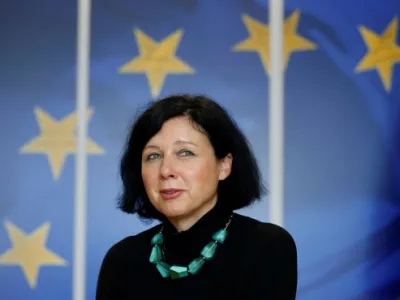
{"points": [[180, 171]]}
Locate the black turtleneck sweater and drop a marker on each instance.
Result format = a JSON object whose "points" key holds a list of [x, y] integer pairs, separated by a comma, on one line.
{"points": [[257, 261]]}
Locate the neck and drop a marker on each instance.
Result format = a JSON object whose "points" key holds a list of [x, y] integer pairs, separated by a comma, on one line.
{"points": [[183, 223]]}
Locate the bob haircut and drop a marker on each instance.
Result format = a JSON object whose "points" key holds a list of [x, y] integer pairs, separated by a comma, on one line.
{"points": [[242, 187]]}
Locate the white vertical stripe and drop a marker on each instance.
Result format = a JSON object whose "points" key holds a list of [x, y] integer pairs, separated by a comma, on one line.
{"points": [[82, 94], [276, 112]]}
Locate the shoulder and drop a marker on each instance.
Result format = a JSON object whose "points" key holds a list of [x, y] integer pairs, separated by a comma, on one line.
{"points": [[267, 235], [137, 244], [270, 244], [271, 258], [120, 262]]}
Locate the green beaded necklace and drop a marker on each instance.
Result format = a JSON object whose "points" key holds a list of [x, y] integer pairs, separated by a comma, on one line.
{"points": [[176, 271]]}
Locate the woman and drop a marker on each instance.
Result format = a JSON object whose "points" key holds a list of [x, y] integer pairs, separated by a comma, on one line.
{"points": [[189, 166]]}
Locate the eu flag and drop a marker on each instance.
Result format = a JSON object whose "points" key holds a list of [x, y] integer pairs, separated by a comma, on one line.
{"points": [[342, 129]]}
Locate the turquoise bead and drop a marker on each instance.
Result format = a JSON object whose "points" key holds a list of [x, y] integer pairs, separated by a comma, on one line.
{"points": [[158, 239], [163, 268], [178, 272], [220, 235], [155, 255], [196, 265], [209, 250]]}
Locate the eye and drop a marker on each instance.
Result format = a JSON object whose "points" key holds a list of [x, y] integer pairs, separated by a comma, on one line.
{"points": [[185, 152], [152, 156]]}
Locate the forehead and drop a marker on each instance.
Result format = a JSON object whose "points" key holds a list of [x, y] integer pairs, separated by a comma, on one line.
{"points": [[179, 128]]}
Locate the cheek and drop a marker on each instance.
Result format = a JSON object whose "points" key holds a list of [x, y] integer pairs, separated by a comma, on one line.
{"points": [[148, 177], [203, 173]]}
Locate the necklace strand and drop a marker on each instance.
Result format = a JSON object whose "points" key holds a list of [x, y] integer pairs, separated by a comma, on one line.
{"points": [[157, 256]]}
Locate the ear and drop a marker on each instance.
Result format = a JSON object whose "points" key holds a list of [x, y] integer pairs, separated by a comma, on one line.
{"points": [[225, 167]]}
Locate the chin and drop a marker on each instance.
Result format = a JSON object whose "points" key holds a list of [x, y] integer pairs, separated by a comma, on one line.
{"points": [[174, 210]]}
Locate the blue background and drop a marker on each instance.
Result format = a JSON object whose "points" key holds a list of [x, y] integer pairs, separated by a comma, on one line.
{"points": [[342, 131]]}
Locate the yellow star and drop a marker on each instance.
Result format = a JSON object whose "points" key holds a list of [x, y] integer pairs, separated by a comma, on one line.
{"points": [[57, 140], [383, 52], [258, 40], [29, 252], [157, 59]]}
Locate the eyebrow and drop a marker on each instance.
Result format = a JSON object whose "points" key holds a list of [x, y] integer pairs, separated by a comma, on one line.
{"points": [[178, 142]]}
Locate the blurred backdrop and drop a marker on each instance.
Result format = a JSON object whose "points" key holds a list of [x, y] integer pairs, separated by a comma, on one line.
{"points": [[342, 129]]}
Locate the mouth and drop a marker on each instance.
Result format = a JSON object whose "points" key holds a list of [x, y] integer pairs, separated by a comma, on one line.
{"points": [[169, 194]]}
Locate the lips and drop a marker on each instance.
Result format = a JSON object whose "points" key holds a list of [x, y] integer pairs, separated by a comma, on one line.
{"points": [[169, 194]]}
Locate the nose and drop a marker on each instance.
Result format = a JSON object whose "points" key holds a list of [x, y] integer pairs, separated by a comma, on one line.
{"points": [[167, 169]]}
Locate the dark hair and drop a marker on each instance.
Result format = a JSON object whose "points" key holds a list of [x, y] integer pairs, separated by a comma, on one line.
{"points": [[242, 187]]}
